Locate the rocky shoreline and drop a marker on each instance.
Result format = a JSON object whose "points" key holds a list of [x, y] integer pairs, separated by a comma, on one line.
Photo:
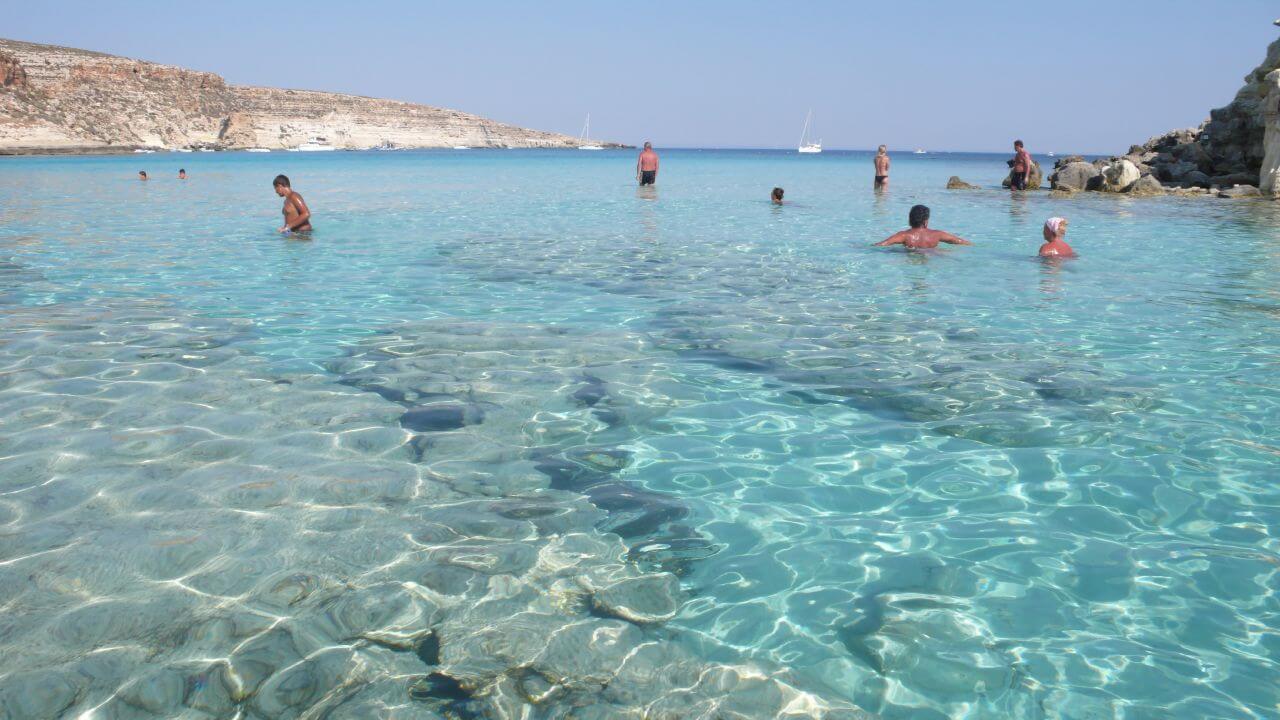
{"points": [[56, 100]]}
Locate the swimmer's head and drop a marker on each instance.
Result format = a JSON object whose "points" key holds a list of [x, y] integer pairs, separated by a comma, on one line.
{"points": [[281, 184], [882, 149], [1017, 144], [919, 217], [142, 174], [182, 172], [777, 194], [648, 145], [1055, 227]]}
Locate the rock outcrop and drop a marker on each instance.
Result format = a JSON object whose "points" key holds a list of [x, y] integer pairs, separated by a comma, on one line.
{"points": [[1035, 178], [55, 99], [1269, 175], [1075, 174], [1230, 147], [955, 183]]}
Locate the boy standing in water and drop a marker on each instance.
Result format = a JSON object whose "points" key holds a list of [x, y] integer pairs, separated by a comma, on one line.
{"points": [[882, 168], [297, 216]]}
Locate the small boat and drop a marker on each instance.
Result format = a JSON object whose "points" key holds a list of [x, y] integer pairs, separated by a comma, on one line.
{"points": [[918, 151], [140, 150], [1051, 155], [182, 149], [257, 150], [316, 145], [585, 141], [807, 146], [206, 149], [461, 147]]}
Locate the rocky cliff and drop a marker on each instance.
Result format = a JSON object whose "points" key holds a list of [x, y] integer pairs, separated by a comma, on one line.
{"points": [[1227, 149], [55, 99]]}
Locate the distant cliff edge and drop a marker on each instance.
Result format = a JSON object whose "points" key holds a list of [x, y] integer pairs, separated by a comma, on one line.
{"points": [[62, 100]]}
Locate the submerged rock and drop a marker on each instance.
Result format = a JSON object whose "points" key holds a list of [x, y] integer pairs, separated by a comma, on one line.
{"points": [[644, 599], [955, 183]]}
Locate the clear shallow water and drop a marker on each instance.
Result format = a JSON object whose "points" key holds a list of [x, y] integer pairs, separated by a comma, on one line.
{"points": [[510, 433]]}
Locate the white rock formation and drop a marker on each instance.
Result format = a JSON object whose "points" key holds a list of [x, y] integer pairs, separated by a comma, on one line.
{"points": [[1120, 175], [1269, 177]]}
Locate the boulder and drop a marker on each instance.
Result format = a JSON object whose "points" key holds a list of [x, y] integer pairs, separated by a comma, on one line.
{"points": [[1035, 178], [955, 183], [1175, 171], [1146, 186], [1076, 176], [1195, 178], [1064, 161], [1227, 181], [1240, 191], [1120, 175]]}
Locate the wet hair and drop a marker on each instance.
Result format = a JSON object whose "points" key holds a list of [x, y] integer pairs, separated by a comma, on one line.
{"points": [[777, 193], [647, 145], [281, 180], [182, 170], [1017, 143], [143, 173], [918, 217]]}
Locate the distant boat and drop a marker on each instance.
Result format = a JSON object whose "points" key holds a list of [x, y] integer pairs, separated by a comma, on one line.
{"points": [[461, 147], [585, 141], [1050, 154], [206, 150], [257, 150], [182, 149], [313, 146], [140, 150], [807, 146], [918, 151]]}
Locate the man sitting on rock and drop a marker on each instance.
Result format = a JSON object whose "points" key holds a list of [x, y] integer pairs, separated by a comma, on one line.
{"points": [[919, 236]]}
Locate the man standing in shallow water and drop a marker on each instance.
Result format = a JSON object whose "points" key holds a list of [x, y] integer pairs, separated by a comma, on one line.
{"points": [[647, 165], [882, 168], [1021, 164], [919, 236], [297, 216]]}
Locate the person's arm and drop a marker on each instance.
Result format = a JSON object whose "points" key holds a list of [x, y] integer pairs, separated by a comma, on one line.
{"points": [[655, 166], [638, 166], [894, 239], [947, 237]]}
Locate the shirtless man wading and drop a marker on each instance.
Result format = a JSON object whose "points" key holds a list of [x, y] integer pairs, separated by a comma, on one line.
{"points": [[882, 167], [297, 216], [647, 165], [919, 236]]}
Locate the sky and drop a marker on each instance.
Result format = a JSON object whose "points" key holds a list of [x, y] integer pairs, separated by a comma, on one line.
{"points": [[1087, 76]]}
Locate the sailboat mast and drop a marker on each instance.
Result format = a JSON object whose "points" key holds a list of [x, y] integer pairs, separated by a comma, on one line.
{"points": [[805, 133]]}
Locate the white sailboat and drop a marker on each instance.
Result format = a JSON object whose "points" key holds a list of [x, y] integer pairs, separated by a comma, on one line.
{"points": [[920, 151], [585, 141], [806, 146]]}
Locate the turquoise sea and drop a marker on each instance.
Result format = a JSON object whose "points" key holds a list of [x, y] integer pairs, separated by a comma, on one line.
{"points": [[509, 437]]}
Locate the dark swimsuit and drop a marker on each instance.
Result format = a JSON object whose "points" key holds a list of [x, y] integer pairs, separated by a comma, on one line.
{"points": [[647, 177]]}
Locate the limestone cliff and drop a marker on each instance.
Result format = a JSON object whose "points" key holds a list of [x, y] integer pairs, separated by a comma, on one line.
{"points": [[55, 99], [1228, 148]]}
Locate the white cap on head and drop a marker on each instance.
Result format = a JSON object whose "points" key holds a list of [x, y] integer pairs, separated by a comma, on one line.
{"points": [[1053, 223]]}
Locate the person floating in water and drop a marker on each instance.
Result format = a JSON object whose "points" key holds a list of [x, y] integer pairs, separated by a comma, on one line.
{"points": [[776, 196], [647, 165], [297, 216], [882, 167], [919, 236], [182, 174], [142, 174], [1021, 164], [1055, 229]]}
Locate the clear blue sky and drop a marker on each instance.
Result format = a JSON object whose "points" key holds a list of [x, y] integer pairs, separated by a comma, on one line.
{"points": [[1081, 76]]}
